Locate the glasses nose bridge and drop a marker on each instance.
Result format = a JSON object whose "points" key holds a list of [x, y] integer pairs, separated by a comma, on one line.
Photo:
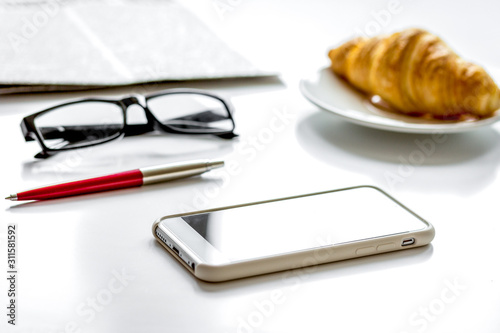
{"points": [[140, 101], [134, 100]]}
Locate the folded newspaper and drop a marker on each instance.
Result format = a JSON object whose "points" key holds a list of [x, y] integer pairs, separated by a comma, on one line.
{"points": [[72, 44]]}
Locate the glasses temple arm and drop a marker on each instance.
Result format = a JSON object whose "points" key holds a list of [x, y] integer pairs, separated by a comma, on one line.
{"points": [[138, 129], [78, 133], [203, 116]]}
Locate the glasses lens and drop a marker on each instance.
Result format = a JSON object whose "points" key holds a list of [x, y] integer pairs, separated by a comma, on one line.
{"points": [[191, 113], [79, 125]]}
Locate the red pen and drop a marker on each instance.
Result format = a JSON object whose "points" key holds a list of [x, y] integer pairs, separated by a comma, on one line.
{"points": [[131, 178]]}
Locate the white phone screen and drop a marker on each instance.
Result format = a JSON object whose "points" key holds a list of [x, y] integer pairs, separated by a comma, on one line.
{"points": [[303, 223]]}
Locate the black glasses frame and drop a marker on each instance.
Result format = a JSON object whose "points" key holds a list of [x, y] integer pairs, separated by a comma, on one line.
{"points": [[32, 133]]}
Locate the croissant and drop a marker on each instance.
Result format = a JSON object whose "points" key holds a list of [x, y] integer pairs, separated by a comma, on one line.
{"points": [[415, 72]]}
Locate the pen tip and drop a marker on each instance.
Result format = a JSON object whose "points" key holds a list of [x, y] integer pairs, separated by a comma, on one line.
{"points": [[215, 164], [11, 197]]}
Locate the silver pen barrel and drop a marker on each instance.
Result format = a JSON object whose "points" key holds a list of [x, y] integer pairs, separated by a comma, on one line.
{"points": [[163, 173]]}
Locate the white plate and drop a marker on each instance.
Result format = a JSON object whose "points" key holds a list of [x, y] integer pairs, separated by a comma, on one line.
{"points": [[332, 94]]}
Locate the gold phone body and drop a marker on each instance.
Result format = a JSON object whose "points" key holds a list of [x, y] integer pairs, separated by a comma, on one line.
{"points": [[352, 222]]}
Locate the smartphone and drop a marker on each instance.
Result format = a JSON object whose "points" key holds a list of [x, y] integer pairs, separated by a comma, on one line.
{"points": [[274, 235]]}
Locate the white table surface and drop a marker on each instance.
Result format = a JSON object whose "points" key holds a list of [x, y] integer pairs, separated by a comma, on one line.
{"points": [[70, 251]]}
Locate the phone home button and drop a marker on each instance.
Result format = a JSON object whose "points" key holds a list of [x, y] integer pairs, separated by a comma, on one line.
{"points": [[365, 250]]}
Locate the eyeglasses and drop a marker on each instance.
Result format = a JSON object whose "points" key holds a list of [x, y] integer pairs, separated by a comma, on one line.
{"points": [[89, 122]]}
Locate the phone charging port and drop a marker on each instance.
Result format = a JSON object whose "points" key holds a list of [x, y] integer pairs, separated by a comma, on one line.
{"points": [[408, 241]]}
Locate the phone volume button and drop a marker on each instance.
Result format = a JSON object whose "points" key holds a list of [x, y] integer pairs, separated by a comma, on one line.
{"points": [[365, 250], [386, 247]]}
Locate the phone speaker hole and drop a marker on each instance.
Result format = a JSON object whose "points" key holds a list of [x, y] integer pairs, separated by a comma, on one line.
{"points": [[189, 261]]}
